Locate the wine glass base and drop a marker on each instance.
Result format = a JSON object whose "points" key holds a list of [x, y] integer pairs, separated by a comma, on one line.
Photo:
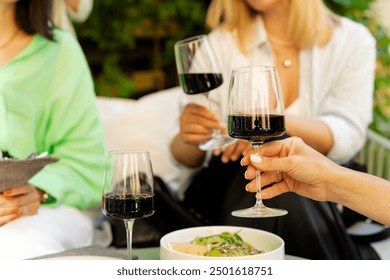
{"points": [[259, 212], [219, 142]]}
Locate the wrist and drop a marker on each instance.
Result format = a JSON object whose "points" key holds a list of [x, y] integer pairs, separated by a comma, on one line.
{"points": [[337, 188], [44, 196]]}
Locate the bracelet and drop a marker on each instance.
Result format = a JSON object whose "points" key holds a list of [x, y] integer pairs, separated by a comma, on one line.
{"points": [[45, 197]]}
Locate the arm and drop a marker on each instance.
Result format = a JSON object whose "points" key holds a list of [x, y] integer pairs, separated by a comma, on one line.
{"points": [[347, 106], [185, 153], [366, 194], [316, 134], [79, 10], [71, 130], [73, 5], [310, 174]]}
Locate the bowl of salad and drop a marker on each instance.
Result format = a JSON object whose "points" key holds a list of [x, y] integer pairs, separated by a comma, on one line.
{"points": [[230, 242]]}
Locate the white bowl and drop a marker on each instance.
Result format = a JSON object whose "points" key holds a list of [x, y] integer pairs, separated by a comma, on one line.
{"points": [[272, 244]]}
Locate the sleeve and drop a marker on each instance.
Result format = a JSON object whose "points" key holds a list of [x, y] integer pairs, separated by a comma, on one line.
{"points": [[83, 11], [348, 109], [73, 133]]}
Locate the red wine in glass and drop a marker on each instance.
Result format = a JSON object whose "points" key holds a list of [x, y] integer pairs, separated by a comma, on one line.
{"points": [[195, 83], [250, 127], [128, 206]]}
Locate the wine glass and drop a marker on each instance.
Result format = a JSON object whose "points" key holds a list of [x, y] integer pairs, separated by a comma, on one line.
{"points": [[256, 113], [199, 73], [128, 191]]}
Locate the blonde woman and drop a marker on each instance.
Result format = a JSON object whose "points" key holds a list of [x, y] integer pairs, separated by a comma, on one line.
{"points": [[326, 65]]}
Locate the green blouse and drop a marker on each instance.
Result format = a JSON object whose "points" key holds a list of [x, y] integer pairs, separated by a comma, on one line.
{"points": [[48, 103]]}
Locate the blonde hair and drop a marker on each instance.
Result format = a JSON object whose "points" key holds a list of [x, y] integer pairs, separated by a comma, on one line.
{"points": [[310, 21]]}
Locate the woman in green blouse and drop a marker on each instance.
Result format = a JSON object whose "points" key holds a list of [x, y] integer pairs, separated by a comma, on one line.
{"points": [[47, 103]]}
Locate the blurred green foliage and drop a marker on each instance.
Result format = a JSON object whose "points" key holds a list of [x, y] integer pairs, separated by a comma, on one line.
{"points": [[359, 10], [115, 27]]}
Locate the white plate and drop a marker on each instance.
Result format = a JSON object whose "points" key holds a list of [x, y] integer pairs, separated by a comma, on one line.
{"points": [[262, 240]]}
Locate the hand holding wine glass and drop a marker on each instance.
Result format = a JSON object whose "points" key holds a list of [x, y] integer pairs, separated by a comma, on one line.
{"points": [[199, 73], [128, 191], [256, 113]]}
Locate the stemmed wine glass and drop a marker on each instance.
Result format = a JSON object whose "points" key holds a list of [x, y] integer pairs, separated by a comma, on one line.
{"points": [[199, 72], [256, 113], [128, 191]]}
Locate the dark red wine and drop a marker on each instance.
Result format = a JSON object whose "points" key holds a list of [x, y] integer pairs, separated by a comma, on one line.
{"points": [[255, 127], [128, 206], [200, 82]]}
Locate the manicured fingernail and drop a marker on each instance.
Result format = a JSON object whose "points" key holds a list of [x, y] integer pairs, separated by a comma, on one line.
{"points": [[241, 162], [246, 188], [245, 175], [256, 158]]}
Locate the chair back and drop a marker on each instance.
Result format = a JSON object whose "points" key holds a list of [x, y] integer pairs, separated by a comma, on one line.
{"points": [[376, 155]]}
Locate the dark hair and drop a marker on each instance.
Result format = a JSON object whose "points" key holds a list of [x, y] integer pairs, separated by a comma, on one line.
{"points": [[35, 17]]}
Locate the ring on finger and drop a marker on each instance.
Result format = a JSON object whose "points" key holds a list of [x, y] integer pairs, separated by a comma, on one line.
{"points": [[280, 176], [24, 209]]}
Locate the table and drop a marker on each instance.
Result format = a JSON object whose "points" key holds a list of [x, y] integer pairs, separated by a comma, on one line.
{"points": [[151, 253]]}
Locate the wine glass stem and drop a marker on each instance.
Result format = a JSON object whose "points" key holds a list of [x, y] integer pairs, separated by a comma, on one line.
{"points": [[259, 202], [216, 132], [129, 235]]}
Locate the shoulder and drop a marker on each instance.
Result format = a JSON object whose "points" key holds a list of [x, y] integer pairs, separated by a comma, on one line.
{"points": [[350, 38], [222, 40], [63, 47], [66, 56], [220, 33], [66, 50], [353, 31], [65, 41]]}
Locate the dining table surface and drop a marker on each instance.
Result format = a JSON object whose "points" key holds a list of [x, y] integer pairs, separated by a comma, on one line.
{"points": [[153, 253], [147, 253]]}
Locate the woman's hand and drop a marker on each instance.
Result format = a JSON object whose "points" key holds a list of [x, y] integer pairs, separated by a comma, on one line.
{"points": [[234, 151], [19, 201], [304, 170], [197, 123]]}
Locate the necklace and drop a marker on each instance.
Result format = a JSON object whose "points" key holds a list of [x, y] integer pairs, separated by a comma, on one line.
{"points": [[6, 43], [283, 43], [280, 42], [287, 63]]}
